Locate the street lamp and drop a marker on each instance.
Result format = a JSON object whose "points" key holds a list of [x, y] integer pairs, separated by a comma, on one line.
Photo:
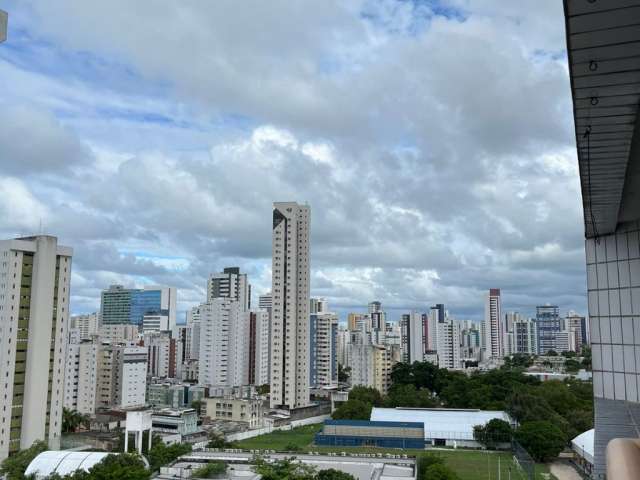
{"points": [[3, 25]]}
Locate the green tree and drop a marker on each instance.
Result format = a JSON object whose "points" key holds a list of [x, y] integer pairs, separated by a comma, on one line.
{"points": [[494, 432], [586, 357], [552, 353], [542, 439], [439, 472], [210, 470], [343, 373], [72, 419], [161, 454], [333, 474], [125, 466], [353, 410], [408, 396], [286, 469], [366, 394], [14, 467], [216, 440], [572, 366], [263, 389], [432, 467]]}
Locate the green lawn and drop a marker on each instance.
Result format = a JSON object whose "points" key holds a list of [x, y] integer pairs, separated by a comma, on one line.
{"points": [[280, 440], [476, 465], [468, 464]]}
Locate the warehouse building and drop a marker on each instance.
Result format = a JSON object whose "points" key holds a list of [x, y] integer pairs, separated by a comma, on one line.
{"points": [[365, 433], [442, 426]]}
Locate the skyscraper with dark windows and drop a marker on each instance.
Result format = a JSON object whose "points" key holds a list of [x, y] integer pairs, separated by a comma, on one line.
{"points": [[548, 324]]}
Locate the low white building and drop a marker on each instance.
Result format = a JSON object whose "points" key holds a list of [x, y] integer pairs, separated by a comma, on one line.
{"points": [[442, 426], [583, 447]]}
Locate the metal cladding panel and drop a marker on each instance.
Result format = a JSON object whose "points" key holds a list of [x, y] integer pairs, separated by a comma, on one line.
{"points": [[603, 43]]}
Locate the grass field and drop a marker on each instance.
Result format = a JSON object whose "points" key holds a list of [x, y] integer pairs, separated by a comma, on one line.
{"points": [[280, 440], [468, 464]]}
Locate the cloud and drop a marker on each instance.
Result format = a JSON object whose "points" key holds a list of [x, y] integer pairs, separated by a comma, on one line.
{"points": [[433, 141]]}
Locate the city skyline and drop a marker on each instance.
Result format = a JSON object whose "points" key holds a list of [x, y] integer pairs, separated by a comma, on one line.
{"points": [[158, 177]]}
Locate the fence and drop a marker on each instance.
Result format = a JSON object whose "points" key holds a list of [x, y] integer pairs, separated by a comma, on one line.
{"points": [[523, 460], [233, 437]]}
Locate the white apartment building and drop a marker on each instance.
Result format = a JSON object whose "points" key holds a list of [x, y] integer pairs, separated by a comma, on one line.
{"points": [[371, 365], [259, 348], [118, 333], [492, 327], [35, 274], [323, 364], [343, 343], [525, 336], [161, 361], [265, 302], [413, 337], [232, 284], [86, 324], [224, 343], [448, 345], [81, 374], [290, 313], [122, 376], [193, 324], [155, 323]]}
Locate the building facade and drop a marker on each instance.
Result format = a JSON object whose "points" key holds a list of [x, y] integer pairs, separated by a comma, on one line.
{"points": [[413, 337], [492, 327], [224, 343], [548, 325], [35, 275], [87, 325], [121, 305], [232, 284], [81, 376], [323, 364], [290, 350]]}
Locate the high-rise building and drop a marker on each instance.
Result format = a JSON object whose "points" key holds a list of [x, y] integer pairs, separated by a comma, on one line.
{"points": [[371, 365], [323, 364], [265, 302], [525, 336], [230, 284], [193, 323], [375, 306], [224, 343], [318, 305], [492, 327], [413, 337], [161, 350], [259, 347], [577, 325], [118, 333], [290, 351], [547, 324], [35, 274], [122, 376], [81, 375], [448, 347], [86, 324], [121, 305], [343, 343]]}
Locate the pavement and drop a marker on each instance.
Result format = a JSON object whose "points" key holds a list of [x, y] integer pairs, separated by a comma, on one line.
{"points": [[564, 471]]}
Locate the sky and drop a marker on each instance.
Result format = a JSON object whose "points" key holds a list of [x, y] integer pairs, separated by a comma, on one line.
{"points": [[433, 141]]}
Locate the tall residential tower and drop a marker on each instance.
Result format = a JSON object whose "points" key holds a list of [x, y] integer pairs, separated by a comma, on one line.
{"points": [[35, 274], [290, 350]]}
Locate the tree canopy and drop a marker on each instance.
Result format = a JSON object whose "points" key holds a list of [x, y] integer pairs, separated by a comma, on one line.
{"points": [[542, 439], [14, 467]]}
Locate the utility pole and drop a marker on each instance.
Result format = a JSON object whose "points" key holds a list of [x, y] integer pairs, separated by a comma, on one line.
{"points": [[498, 466]]}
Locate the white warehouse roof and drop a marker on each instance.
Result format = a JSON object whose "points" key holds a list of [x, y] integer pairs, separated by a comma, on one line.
{"points": [[445, 423], [583, 445], [62, 462]]}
